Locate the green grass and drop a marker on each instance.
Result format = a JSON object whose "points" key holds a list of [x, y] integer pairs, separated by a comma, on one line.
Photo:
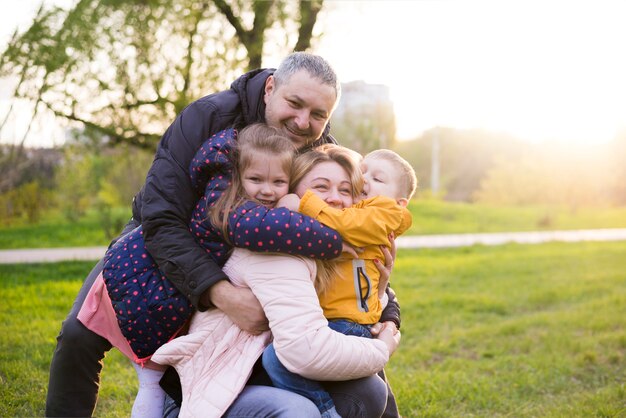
{"points": [[35, 299], [429, 217], [519, 331], [509, 331], [437, 217], [56, 231]]}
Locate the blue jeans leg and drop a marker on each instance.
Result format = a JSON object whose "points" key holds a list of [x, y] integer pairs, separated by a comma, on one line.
{"points": [[270, 402], [349, 328], [284, 379], [359, 398]]}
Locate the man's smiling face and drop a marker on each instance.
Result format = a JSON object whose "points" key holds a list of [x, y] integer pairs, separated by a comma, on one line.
{"points": [[301, 107]]}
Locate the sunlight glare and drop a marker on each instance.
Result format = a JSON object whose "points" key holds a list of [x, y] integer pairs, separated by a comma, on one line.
{"points": [[538, 70]]}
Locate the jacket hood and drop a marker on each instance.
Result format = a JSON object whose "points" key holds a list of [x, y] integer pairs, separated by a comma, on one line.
{"points": [[250, 88]]}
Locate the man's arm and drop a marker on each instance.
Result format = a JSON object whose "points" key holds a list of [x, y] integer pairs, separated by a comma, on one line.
{"points": [[168, 199]]}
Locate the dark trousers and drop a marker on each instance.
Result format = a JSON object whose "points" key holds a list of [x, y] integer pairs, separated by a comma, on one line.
{"points": [[77, 359]]}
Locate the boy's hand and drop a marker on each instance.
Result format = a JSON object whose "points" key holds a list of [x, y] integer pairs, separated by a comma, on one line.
{"points": [[350, 251]]}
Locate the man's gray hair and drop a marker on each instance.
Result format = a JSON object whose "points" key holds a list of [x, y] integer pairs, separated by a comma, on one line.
{"points": [[316, 66]]}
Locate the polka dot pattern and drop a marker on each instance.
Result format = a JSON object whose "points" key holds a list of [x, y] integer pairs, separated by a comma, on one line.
{"points": [[149, 308]]}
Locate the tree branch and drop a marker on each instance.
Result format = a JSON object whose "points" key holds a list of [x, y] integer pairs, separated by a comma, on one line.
{"points": [[137, 139], [308, 16], [257, 34], [227, 11]]}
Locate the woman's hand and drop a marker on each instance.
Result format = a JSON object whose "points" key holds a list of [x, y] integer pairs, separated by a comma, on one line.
{"points": [[388, 333], [385, 269], [241, 306]]}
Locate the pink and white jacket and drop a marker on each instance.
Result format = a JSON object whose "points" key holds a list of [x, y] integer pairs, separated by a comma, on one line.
{"points": [[216, 358]]}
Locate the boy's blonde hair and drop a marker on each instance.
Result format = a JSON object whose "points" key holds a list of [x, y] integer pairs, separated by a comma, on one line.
{"points": [[349, 160], [407, 179], [253, 140]]}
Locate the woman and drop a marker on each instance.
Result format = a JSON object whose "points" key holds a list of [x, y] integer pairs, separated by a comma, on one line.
{"points": [[283, 285]]}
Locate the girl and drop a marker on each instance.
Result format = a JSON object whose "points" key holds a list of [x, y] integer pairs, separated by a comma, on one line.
{"points": [[137, 309]]}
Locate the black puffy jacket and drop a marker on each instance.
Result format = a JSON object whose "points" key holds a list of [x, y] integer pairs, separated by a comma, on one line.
{"points": [[165, 202]]}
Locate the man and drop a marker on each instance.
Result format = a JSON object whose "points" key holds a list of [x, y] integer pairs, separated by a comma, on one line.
{"points": [[298, 98]]}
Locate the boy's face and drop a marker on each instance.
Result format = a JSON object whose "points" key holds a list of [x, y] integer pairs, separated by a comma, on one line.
{"points": [[381, 177]]}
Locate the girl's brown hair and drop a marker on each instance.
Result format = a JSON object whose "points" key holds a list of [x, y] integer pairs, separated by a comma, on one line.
{"points": [[253, 140], [349, 160]]}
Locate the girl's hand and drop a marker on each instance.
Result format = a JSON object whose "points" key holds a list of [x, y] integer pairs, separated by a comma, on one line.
{"points": [[349, 251], [290, 201]]}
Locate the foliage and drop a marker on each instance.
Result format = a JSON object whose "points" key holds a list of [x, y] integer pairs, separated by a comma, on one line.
{"points": [[84, 177], [77, 183], [364, 119], [20, 165], [496, 169], [126, 68], [485, 332], [465, 156], [29, 201], [551, 175], [102, 180]]}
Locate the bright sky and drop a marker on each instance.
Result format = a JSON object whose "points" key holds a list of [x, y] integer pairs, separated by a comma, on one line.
{"points": [[551, 69], [539, 69]]}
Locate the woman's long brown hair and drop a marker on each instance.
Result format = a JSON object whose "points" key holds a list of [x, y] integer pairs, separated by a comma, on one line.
{"points": [[349, 160]]}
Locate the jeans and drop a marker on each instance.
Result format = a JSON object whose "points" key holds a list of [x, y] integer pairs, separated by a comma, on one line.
{"points": [[361, 398], [259, 402], [282, 378], [77, 359], [349, 328]]}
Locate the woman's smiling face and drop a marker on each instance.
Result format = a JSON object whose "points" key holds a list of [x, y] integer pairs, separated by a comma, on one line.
{"points": [[330, 182]]}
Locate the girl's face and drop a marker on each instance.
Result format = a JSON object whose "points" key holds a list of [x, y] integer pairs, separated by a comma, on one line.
{"points": [[329, 181], [264, 180]]}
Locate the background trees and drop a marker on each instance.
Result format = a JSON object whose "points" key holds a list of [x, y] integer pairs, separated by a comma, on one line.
{"points": [[118, 72], [125, 68]]}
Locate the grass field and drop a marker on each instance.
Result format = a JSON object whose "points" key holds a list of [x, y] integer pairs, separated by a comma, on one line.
{"points": [[510, 331], [429, 217]]}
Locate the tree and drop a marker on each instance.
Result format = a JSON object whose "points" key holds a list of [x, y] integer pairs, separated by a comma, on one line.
{"points": [[125, 68], [465, 156], [364, 119]]}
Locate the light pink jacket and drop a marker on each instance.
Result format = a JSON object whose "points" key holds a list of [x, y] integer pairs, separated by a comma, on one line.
{"points": [[215, 359]]}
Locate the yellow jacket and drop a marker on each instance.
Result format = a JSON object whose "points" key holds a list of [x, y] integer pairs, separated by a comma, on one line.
{"points": [[354, 295]]}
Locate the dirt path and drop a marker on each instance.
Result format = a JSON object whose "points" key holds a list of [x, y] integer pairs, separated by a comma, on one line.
{"points": [[424, 241]]}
